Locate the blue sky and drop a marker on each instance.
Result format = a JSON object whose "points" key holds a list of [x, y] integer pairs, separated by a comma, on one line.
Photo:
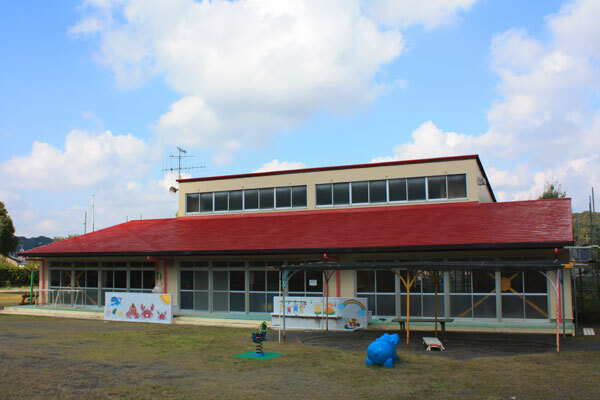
{"points": [[96, 94]]}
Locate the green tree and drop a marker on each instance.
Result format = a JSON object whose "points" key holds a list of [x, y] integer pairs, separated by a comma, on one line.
{"points": [[8, 240], [553, 190]]}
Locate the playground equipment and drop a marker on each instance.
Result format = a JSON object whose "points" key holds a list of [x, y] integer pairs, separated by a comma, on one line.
{"points": [[258, 338], [382, 351]]}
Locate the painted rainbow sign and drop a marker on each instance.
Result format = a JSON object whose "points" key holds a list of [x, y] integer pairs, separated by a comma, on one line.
{"points": [[356, 302]]}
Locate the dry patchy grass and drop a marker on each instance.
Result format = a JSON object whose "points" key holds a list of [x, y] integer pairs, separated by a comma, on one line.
{"points": [[57, 358]]}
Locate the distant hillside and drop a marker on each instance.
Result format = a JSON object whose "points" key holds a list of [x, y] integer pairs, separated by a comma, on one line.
{"points": [[31, 243]]}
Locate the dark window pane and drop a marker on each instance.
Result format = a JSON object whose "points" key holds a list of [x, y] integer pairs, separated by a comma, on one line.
{"points": [[457, 186], [360, 192], [258, 302], [55, 277], [377, 192], [237, 280], [416, 188], [486, 306], [192, 203], [65, 278], [386, 282], [427, 280], [314, 281], [436, 187], [397, 188], [272, 280], [386, 305], [536, 307], [251, 199], [370, 302], [221, 201], [299, 196], [460, 306], [121, 279], [148, 278], [429, 305], [266, 198], [483, 282], [257, 280], [235, 200], [187, 279], [365, 281], [107, 279], [135, 279], [201, 301], [220, 302], [206, 202], [512, 306], [283, 197], [92, 279], [324, 195], [415, 305], [187, 300], [79, 278], [460, 281], [341, 193], [237, 302], [535, 282], [296, 282], [220, 280], [201, 280]]}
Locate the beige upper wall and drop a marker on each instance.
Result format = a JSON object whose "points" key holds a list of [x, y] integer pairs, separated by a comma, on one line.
{"points": [[469, 167]]}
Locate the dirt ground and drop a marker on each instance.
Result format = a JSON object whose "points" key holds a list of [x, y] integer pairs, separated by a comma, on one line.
{"points": [[459, 345], [67, 358]]}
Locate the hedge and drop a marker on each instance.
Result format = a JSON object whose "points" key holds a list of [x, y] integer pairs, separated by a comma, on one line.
{"points": [[15, 276]]}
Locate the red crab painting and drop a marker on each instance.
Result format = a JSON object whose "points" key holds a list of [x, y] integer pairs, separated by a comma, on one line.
{"points": [[133, 312], [147, 312], [161, 316]]}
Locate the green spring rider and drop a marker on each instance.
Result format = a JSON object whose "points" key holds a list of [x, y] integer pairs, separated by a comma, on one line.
{"points": [[258, 338]]}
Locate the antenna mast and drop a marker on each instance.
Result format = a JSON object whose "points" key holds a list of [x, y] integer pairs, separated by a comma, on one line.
{"points": [[181, 157]]}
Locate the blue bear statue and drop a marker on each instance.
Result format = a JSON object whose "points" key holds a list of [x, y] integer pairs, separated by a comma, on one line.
{"points": [[382, 351]]}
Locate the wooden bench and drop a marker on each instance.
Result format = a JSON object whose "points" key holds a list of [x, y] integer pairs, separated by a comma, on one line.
{"points": [[441, 321]]}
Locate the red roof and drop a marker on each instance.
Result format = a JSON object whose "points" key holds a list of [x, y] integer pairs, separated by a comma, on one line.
{"points": [[520, 224]]}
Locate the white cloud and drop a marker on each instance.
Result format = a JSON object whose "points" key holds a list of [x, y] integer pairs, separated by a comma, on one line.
{"points": [[277, 165], [86, 160], [430, 13], [246, 69], [546, 122]]}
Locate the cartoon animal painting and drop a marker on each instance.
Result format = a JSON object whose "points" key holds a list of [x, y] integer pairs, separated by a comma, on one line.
{"points": [[133, 312], [161, 316], [147, 312], [382, 351], [115, 301]]}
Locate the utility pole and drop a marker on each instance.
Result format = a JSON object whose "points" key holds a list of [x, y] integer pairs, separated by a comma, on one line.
{"points": [[85, 223]]}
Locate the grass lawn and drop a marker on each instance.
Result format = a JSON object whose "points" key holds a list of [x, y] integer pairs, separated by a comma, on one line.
{"points": [[10, 299], [59, 358]]}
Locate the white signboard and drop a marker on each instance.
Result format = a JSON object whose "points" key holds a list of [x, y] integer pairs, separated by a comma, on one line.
{"points": [[343, 313], [138, 307]]}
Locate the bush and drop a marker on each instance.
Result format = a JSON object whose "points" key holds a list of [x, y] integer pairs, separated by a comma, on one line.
{"points": [[15, 276]]}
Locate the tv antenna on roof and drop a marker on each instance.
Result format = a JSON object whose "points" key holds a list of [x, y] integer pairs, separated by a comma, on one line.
{"points": [[178, 163]]}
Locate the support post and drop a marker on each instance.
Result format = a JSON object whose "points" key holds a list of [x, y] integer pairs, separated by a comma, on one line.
{"points": [[435, 307]]}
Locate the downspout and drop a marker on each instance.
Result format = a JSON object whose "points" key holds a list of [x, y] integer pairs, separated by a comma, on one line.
{"points": [[164, 277], [337, 273], [41, 278]]}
